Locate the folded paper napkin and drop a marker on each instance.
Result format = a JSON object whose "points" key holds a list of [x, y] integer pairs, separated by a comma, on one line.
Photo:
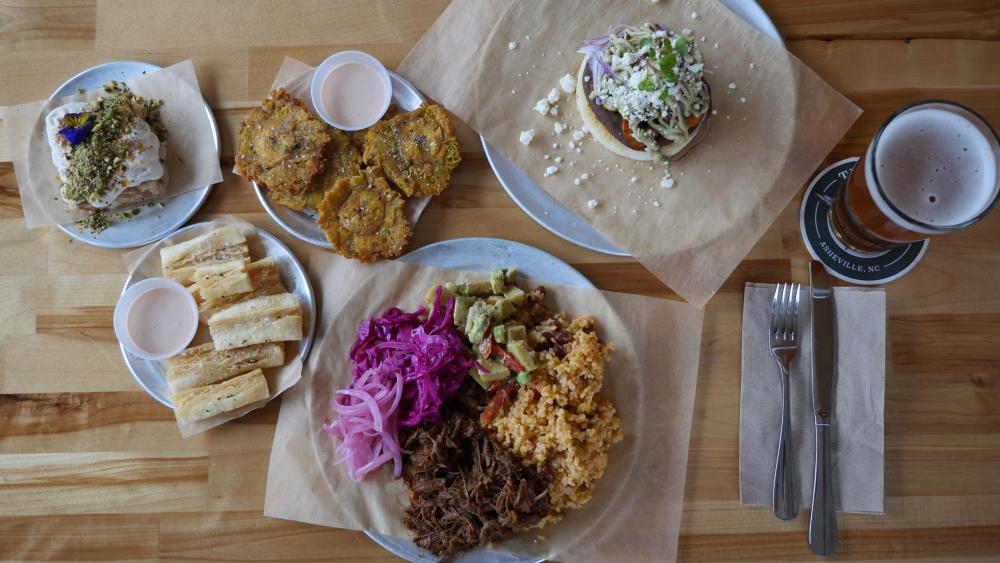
{"points": [[859, 430]]}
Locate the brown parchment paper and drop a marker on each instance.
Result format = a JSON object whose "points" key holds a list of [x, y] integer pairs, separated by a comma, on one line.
{"points": [[767, 136], [192, 154], [636, 509], [145, 263], [296, 78]]}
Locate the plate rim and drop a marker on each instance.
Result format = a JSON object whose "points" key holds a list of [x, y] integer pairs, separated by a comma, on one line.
{"points": [[269, 207], [388, 542], [748, 10], [203, 191], [306, 343]]}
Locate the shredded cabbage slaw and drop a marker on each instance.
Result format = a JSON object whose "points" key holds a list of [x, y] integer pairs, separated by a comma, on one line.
{"points": [[405, 367]]}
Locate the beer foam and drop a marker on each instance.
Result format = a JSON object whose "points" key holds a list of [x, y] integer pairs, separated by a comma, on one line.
{"points": [[937, 164]]}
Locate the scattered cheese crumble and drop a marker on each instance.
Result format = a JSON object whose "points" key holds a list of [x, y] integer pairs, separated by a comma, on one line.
{"points": [[567, 83], [732, 85], [512, 45], [527, 136], [592, 203], [551, 170], [542, 106], [558, 127], [553, 96], [578, 135]]}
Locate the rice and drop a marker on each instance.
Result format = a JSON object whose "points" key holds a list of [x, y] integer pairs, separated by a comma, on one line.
{"points": [[565, 425]]}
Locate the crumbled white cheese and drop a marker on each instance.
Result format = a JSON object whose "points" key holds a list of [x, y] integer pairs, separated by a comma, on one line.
{"points": [[715, 112], [656, 204], [554, 111], [751, 66], [592, 203], [546, 157], [567, 83], [732, 85], [512, 45], [576, 182], [586, 78], [558, 159], [542, 106], [716, 45], [553, 96], [743, 99], [527, 136], [578, 135], [584, 176], [667, 181], [687, 31], [551, 170], [555, 145], [694, 15], [633, 180], [578, 150], [558, 127], [572, 145]]}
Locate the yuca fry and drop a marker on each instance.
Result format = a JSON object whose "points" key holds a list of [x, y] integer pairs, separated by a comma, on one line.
{"points": [[270, 318], [265, 279], [222, 279], [181, 260], [211, 400], [202, 365]]}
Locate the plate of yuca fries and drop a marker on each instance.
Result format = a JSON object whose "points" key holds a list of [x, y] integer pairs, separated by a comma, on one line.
{"points": [[255, 310]]}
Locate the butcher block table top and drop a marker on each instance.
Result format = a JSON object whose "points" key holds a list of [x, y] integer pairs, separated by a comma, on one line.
{"points": [[91, 467]]}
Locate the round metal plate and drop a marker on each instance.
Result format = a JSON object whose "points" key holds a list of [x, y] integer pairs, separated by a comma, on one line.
{"points": [[483, 255], [151, 224], [302, 225], [546, 210], [151, 374]]}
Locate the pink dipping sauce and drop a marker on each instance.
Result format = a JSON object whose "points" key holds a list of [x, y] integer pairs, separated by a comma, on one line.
{"points": [[159, 321], [353, 94]]}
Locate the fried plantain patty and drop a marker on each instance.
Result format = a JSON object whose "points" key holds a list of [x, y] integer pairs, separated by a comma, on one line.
{"points": [[343, 160], [358, 137], [281, 145], [416, 151], [363, 218]]}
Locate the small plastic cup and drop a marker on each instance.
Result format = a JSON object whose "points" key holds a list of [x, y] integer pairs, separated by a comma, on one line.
{"points": [[338, 59], [128, 299]]}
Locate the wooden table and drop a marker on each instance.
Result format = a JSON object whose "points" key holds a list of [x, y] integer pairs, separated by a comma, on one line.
{"points": [[93, 468]]}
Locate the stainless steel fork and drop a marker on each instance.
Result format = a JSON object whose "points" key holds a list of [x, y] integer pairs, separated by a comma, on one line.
{"points": [[783, 339]]}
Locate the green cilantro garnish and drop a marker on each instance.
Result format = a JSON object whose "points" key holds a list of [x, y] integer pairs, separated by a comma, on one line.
{"points": [[647, 85]]}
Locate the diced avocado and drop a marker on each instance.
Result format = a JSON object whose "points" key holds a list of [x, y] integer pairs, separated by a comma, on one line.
{"points": [[509, 274], [502, 310], [516, 332], [445, 295], [496, 371], [474, 374], [461, 288], [514, 294], [496, 281], [480, 288], [452, 287], [477, 309], [523, 378], [519, 349], [478, 321], [462, 305], [500, 334]]}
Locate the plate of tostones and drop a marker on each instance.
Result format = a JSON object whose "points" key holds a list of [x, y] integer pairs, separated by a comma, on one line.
{"points": [[356, 193]]}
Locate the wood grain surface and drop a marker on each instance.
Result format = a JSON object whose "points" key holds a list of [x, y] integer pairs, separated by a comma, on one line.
{"points": [[93, 468]]}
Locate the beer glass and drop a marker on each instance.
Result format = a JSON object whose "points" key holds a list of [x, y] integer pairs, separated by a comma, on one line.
{"points": [[932, 168]]}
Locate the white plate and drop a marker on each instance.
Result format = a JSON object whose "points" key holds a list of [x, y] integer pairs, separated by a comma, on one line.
{"points": [[482, 255], [151, 374], [546, 210], [302, 225], [152, 223]]}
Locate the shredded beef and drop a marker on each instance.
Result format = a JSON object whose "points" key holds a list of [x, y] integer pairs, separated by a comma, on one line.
{"points": [[466, 489]]}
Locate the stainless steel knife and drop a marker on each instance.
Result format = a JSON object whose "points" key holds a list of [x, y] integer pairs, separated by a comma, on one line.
{"points": [[822, 517]]}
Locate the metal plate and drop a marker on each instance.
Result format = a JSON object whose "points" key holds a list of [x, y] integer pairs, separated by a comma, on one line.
{"points": [[483, 255], [151, 374], [302, 225], [151, 224], [546, 210]]}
